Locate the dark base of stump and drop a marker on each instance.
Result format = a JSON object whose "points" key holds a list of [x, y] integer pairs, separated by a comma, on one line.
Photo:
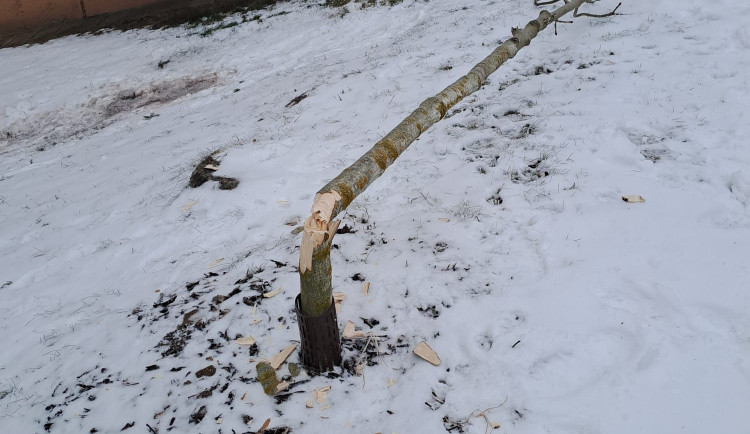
{"points": [[320, 340]]}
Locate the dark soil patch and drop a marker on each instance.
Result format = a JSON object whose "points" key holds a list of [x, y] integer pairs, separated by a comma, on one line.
{"points": [[204, 173]]}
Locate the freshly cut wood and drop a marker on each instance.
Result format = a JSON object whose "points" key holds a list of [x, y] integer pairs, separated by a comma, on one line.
{"points": [[338, 297], [444, 220], [365, 288], [351, 333], [633, 198], [424, 351], [282, 386], [321, 394], [215, 263], [247, 340], [273, 293], [309, 403], [211, 167], [278, 359]]}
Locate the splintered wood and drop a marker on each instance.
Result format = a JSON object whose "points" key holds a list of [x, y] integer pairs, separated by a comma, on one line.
{"points": [[273, 293], [351, 333], [278, 359], [365, 288], [425, 352], [633, 198], [247, 340], [338, 297]]}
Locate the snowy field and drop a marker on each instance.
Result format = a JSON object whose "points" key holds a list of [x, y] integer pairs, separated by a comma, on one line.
{"points": [[500, 237]]}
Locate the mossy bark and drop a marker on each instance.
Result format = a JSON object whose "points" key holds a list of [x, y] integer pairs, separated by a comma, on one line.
{"points": [[315, 261]]}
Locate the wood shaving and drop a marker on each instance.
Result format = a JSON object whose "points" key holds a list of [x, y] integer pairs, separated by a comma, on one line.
{"points": [[365, 288], [247, 340], [278, 359], [215, 263], [211, 167], [273, 293], [351, 333], [190, 205], [633, 198], [425, 352]]}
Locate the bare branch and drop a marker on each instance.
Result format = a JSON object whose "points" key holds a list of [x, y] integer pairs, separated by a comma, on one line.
{"points": [[583, 14]]}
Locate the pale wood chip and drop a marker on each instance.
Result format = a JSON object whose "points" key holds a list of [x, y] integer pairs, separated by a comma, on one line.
{"points": [[265, 425], [247, 340], [211, 167], [218, 421], [282, 386], [424, 351], [338, 297], [278, 359], [633, 198], [273, 293], [444, 220], [494, 425], [365, 288], [215, 263], [391, 382], [309, 403], [320, 394], [190, 205], [351, 333]]}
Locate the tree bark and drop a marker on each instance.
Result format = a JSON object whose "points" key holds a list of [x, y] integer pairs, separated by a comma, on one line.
{"points": [[319, 229]]}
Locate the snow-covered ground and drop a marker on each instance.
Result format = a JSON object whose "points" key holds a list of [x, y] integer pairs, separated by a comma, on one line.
{"points": [[500, 237]]}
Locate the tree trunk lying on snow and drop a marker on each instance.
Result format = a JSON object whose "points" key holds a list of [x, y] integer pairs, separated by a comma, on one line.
{"points": [[319, 228]]}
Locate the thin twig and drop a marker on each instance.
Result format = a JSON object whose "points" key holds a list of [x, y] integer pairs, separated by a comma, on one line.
{"points": [[483, 414], [584, 14]]}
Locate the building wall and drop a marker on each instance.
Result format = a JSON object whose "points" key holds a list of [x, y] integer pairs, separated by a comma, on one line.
{"points": [[26, 15], [29, 14]]}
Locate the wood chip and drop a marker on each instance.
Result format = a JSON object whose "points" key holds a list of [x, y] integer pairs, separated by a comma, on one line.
{"points": [[247, 340], [218, 421], [211, 167], [633, 198], [338, 297], [391, 382], [351, 333], [190, 205], [282, 386], [215, 263], [321, 394], [309, 403], [494, 425], [273, 293], [265, 425], [365, 288], [244, 395], [424, 351], [278, 359], [444, 220]]}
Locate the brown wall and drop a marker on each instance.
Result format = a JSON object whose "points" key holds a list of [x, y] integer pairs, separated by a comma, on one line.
{"points": [[18, 15]]}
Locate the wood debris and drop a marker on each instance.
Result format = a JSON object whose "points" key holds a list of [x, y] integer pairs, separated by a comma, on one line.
{"points": [[282, 386], [211, 167], [351, 333], [265, 425], [190, 205], [444, 219], [247, 340], [320, 394], [309, 403], [633, 198], [278, 359], [365, 288], [215, 263], [338, 297], [425, 352], [273, 293]]}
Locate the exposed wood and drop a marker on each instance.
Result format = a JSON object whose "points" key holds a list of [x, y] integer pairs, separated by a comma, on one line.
{"points": [[425, 352], [278, 359], [320, 228]]}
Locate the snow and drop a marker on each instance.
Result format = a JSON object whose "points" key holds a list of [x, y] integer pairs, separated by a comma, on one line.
{"points": [[499, 238]]}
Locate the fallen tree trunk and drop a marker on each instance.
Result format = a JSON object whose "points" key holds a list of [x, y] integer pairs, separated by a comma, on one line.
{"points": [[319, 229]]}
